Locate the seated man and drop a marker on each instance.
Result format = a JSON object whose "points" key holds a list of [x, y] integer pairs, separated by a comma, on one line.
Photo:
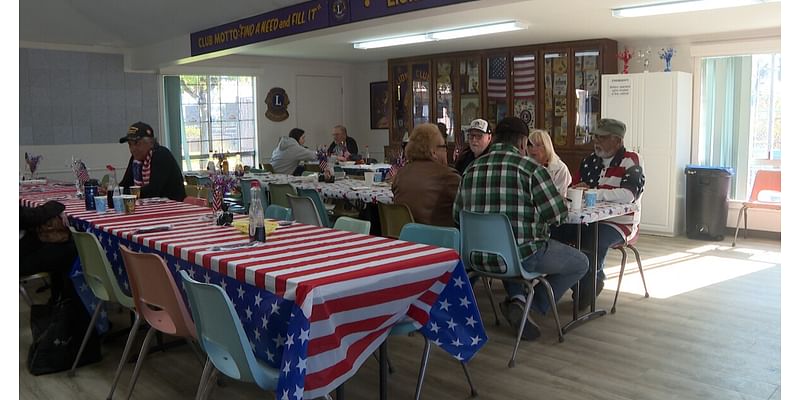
{"points": [[343, 147], [426, 184], [505, 181], [479, 136], [618, 177], [151, 166], [290, 151]]}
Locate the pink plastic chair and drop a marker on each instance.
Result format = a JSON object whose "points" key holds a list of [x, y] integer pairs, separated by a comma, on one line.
{"points": [[196, 201], [629, 244], [765, 180], [158, 301]]}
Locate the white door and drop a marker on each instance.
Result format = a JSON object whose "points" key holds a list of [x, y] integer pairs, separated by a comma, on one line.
{"points": [[319, 108]]}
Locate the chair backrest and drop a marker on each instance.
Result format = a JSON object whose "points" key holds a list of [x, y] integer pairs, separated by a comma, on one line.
{"points": [[278, 192], [393, 217], [312, 168], [317, 199], [304, 210], [268, 168], [432, 235], [490, 234], [190, 180], [352, 225], [97, 270], [277, 212], [766, 180], [245, 185], [195, 201], [222, 336], [204, 189], [156, 295]]}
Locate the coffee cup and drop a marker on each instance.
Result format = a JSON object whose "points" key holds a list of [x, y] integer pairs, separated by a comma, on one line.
{"points": [[129, 202], [590, 198], [136, 191], [101, 204], [575, 198], [119, 205], [369, 178]]}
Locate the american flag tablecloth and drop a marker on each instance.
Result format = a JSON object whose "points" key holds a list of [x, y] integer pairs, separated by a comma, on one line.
{"points": [[314, 302], [348, 189]]}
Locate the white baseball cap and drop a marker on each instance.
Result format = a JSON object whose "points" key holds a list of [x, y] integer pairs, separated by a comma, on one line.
{"points": [[479, 125]]}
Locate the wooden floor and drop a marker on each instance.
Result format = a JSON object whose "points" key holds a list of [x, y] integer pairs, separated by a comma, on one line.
{"points": [[710, 330]]}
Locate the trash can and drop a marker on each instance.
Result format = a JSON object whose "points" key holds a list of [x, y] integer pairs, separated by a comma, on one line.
{"points": [[707, 201]]}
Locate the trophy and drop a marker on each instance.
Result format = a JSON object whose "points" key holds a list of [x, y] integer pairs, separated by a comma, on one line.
{"points": [[643, 56], [625, 56], [666, 55]]}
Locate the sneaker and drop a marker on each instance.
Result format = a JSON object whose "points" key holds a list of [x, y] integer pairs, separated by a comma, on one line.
{"points": [[586, 294], [512, 311]]}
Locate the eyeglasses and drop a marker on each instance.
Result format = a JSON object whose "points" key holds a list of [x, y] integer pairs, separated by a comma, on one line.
{"points": [[441, 146]]}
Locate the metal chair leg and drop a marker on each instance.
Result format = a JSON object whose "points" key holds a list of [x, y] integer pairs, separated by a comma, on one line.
{"points": [[528, 303], [25, 296], [745, 222], [552, 299], [619, 280], [128, 345], [492, 300], [142, 354], [472, 391], [423, 366], [641, 270], [88, 333], [738, 222], [210, 385], [204, 379]]}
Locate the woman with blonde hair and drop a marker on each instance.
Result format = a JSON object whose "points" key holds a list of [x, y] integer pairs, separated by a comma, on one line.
{"points": [[540, 148], [426, 184]]}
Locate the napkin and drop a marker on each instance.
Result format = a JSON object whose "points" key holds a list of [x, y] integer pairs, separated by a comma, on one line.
{"points": [[153, 228], [243, 225]]}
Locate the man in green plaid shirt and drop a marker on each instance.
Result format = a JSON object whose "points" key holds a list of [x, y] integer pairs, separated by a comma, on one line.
{"points": [[506, 181]]}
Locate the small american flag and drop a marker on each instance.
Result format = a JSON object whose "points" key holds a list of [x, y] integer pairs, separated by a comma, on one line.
{"points": [[323, 163], [81, 173], [396, 165], [524, 76], [498, 72]]}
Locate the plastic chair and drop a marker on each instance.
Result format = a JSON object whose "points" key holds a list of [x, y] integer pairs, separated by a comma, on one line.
{"points": [[277, 212], [492, 234], [304, 210], [158, 301], [278, 192], [313, 168], [268, 168], [101, 280], [222, 337], [393, 217], [245, 185], [195, 201], [629, 243], [353, 225], [25, 279], [434, 236], [317, 199], [765, 180]]}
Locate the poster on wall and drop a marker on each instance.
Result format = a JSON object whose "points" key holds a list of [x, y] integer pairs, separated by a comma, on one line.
{"points": [[379, 103]]}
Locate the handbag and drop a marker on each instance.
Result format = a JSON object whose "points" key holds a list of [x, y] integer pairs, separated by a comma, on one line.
{"points": [[53, 231], [57, 330]]}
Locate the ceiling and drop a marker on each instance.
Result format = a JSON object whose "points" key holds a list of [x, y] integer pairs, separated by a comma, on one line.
{"points": [[143, 23]]}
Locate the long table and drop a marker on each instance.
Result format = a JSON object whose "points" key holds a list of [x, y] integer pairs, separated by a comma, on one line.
{"points": [[314, 302]]}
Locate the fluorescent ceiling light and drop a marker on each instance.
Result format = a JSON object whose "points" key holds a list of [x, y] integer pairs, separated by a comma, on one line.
{"points": [[468, 31], [679, 7]]}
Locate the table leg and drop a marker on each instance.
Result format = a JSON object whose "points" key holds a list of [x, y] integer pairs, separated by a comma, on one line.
{"points": [[384, 369], [340, 392], [593, 313]]}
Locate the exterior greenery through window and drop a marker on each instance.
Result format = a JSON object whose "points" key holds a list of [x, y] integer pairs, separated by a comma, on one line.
{"points": [[218, 116]]}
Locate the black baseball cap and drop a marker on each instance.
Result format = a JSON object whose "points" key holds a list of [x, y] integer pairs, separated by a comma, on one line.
{"points": [[137, 131]]}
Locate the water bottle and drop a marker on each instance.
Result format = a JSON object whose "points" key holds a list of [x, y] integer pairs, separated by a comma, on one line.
{"points": [[366, 157], [256, 215]]}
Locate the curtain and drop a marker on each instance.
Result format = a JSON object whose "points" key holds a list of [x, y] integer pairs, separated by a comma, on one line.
{"points": [[725, 117], [174, 126]]}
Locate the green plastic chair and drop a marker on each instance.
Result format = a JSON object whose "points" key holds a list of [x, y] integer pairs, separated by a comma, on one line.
{"points": [[277, 212], [492, 234], [101, 280], [352, 225], [317, 199], [393, 217], [278, 192], [222, 337], [434, 236], [304, 210]]}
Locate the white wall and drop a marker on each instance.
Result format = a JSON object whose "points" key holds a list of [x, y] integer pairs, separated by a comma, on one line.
{"points": [[56, 159], [364, 74]]}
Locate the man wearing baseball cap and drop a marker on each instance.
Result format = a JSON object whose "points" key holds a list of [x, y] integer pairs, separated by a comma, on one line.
{"points": [[618, 176], [151, 166], [505, 181], [479, 136]]}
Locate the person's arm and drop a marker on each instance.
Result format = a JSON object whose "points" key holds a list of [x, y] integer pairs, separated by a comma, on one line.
{"points": [[631, 187], [332, 147], [352, 147], [548, 200], [127, 178], [562, 178]]}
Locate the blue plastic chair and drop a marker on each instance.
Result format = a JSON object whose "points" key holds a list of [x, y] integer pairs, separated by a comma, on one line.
{"points": [[277, 212], [222, 337], [492, 234], [317, 199], [278, 192], [352, 225], [245, 185], [434, 236]]}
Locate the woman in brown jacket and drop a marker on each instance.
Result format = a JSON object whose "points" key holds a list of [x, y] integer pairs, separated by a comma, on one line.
{"points": [[426, 184]]}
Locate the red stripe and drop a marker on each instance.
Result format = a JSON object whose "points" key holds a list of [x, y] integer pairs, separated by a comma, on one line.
{"points": [[327, 375], [334, 340]]}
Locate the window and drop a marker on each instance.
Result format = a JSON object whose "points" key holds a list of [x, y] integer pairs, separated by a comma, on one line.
{"points": [[218, 116], [740, 116]]}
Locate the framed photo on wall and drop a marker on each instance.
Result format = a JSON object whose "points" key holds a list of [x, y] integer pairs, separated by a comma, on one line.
{"points": [[379, 105]]}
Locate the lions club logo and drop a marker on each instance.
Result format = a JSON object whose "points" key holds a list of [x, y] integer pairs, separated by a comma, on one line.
{"points": [[277, 100]]}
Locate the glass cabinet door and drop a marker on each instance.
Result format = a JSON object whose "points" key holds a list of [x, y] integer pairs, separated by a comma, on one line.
{"points": [[444, 96], [556, 68], [496, 88], [523, 84], [587, 94], [469, 80], [402, 103], [421, 86]]}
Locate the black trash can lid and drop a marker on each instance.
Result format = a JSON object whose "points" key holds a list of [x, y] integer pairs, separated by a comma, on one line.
{"points": [[707, 170]]}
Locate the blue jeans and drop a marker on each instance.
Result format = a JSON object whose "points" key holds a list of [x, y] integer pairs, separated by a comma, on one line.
{"points": [[563, 265], [607, 237]]}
